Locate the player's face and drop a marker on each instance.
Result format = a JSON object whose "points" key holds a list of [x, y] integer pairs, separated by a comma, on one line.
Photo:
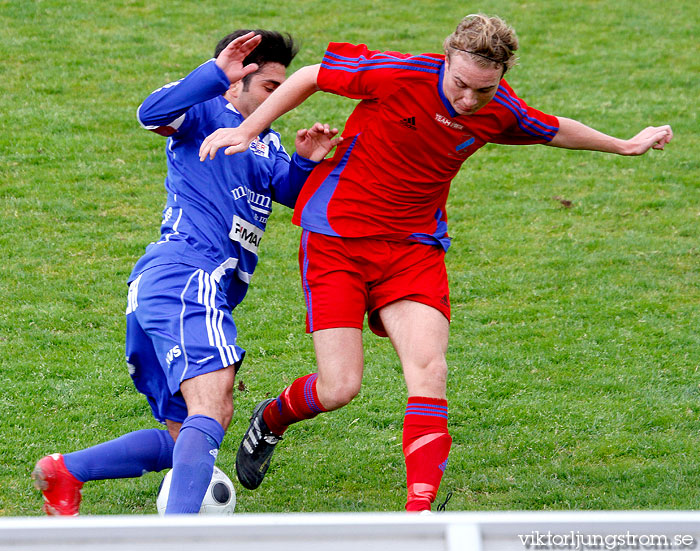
{"points": [[261, 85], [467, 85]]}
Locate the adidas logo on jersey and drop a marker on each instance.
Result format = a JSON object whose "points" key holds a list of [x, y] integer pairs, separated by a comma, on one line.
{"points": [[409, 122]]}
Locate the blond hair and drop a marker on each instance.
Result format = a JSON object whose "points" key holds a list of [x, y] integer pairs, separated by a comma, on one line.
{"points": [[489, 40]]}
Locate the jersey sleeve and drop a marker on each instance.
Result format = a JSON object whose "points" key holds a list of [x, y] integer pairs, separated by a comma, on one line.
{"points": [[522, 124], [357, 72], [164, 111]]}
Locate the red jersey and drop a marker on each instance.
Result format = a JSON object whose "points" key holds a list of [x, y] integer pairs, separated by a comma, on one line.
{"points": [[403, 145]]}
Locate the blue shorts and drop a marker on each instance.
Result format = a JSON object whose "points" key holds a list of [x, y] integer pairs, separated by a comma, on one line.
{"points": [[178, 326]]}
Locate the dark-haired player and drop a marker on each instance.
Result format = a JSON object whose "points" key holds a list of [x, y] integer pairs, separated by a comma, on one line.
{"points": [[181, 344]]}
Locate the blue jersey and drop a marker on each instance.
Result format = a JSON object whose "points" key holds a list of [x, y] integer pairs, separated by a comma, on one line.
{"points": [[216, 210]]}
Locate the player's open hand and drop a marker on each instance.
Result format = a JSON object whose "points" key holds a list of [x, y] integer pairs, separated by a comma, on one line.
{"points": [[234, 140], [315, 143], [231, 58], [652, 137]]}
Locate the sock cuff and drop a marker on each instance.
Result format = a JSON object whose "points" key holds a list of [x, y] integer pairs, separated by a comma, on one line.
{"points": [[421, 407], [304, 389], [427, 400], [207, 425]]}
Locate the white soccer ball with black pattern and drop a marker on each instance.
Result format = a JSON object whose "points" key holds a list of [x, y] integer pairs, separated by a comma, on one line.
{"points": [[220, 498]]}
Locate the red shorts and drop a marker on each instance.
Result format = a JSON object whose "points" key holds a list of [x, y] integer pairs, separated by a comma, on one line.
{"points": [[344, 278]]}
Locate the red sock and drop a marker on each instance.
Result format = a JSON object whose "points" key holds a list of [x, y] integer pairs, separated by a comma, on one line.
{"points": [[297, 402], [426, 446]]}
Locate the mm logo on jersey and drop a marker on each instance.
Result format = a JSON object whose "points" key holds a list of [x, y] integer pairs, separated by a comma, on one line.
{"points": [[260, 148], [245, 233]]}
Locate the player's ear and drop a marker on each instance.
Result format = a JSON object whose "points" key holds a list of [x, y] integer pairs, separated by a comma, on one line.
{"points": [[234, 90]]}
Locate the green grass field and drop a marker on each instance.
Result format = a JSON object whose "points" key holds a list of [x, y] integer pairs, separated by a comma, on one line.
{"points": [[575, 344]]}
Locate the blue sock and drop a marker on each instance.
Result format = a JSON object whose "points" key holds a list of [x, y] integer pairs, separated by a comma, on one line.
{"points": [[193, 463], [128, 456]]}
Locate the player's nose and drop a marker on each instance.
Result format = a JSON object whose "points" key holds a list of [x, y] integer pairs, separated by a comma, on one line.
{"points": [[469, 98]]}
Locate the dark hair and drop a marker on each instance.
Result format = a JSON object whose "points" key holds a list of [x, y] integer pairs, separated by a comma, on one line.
{"points": [[273, 48]]}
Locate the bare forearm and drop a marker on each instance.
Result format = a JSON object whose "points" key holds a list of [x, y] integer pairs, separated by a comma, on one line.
{"points": [[576, 135], [293, 92]]}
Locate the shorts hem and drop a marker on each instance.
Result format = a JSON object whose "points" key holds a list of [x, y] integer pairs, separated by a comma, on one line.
{"points": [[335, 325]]}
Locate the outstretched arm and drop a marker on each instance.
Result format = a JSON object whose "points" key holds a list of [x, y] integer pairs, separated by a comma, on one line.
{"points": [[575, 135], [166, 111], [291, 93]]}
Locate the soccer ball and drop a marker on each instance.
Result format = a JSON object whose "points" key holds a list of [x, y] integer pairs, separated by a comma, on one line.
{"points": [[220, 498]]}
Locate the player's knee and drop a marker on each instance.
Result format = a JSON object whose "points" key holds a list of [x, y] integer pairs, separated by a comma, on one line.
{"points": [[210, 394], [220, 409], [428, 378], [436, 370], [338, 393]]}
